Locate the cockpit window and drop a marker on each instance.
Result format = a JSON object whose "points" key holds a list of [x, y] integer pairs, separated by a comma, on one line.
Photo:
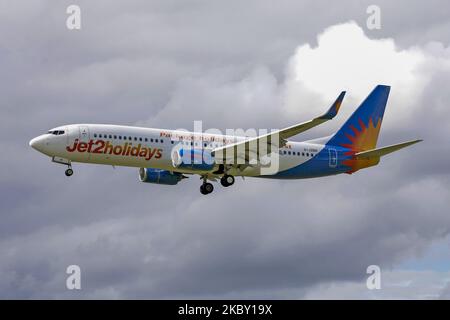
{"points": [[56, 132]]}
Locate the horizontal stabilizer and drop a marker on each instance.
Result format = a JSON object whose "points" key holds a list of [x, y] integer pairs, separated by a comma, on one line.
{"points": [[379, 152]]}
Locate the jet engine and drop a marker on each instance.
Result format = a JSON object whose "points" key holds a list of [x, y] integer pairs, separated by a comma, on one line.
{"points": [[159, 176]]}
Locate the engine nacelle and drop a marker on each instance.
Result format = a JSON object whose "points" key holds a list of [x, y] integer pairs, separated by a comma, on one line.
{"points": [[193, 159], [159, 176]]}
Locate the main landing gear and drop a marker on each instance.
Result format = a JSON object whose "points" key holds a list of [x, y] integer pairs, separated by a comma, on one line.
{"points": [[227, 180], [207, 188]]}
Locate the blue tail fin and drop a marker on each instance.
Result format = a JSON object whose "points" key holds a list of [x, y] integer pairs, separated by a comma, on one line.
{"points": [[360, 131]]}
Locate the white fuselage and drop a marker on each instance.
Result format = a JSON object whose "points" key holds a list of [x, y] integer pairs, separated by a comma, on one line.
{"points": [[146, 147]]}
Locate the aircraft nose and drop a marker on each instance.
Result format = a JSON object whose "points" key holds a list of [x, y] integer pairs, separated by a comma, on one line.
{"points": [[37, 143]]}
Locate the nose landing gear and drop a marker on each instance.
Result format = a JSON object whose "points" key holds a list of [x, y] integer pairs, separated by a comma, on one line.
{"points": [[65, 162], [69, 172]]}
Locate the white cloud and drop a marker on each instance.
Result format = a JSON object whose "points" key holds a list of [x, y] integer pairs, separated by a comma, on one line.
{"points": [[345, 58]]}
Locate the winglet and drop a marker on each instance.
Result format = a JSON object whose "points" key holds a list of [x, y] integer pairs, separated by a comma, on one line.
{"points": [[334, 109]]}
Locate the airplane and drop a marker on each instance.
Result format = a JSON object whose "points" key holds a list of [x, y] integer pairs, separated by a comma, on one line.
{"points": [[168, 156]]}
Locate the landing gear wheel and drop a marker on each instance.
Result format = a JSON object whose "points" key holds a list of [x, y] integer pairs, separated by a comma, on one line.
{"points": [[206, 188], [69, 172], [227, 180]]}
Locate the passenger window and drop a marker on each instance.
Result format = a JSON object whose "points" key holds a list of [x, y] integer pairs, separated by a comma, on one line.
{"points": [[307, 154], [115, 137], [303, 154], [151, 140], [99, 135], [140, 139], [146, 139], [95, 135], [120, 137], [162, 141]]}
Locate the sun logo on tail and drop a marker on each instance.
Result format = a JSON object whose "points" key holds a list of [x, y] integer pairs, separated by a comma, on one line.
{"points": [[361, 140], [364, 139]]}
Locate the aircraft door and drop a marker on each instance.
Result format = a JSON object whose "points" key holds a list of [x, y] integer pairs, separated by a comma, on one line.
{"points": [[84, 134], [84, 137], [333, 157]]}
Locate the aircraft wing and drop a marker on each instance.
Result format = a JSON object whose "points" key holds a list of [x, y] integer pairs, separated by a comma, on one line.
{"points": [[257, 147]]}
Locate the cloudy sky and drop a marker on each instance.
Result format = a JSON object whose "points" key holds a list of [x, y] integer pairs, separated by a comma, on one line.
{"points": [[231, 64]]}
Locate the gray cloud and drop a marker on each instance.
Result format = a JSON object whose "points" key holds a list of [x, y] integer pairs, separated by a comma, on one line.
{"points": [[165, 64], [395, 284]]}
